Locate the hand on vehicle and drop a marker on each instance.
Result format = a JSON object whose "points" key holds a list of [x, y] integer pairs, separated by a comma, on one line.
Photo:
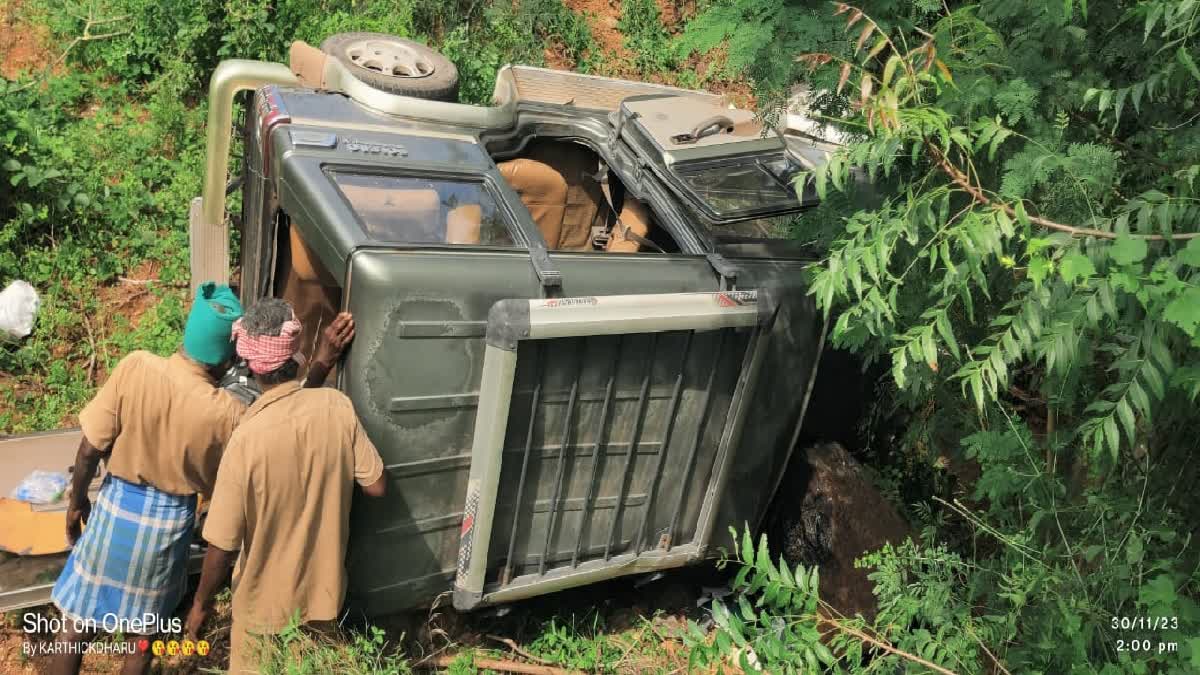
{"points": [[334, 339], [77, 515]]}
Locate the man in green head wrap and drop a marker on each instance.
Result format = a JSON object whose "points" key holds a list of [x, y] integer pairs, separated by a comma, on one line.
{"points": [[206, 337]]}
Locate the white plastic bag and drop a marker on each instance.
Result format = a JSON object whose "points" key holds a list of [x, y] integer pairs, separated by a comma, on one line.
{"points": [[41, 487], [18, 307]]}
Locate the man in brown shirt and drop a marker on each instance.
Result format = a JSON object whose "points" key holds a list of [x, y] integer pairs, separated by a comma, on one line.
{"points": [[283, 495], [161, 423]]}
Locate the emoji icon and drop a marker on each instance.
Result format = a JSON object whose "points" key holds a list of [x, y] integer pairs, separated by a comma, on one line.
{"points": [[172, 648], [143, 645], [187, 647], [159, 648], [202, 647]]}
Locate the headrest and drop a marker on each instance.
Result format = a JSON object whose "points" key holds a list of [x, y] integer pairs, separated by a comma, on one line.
{"points": [[534, 181], [463, 224], [307, 64]]}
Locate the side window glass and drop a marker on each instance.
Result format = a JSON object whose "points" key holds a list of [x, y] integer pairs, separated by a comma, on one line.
{"points": [[407, 210]]}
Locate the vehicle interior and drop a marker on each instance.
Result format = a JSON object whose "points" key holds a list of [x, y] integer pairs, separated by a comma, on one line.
{"points": [[556, 180], [575, 206]]}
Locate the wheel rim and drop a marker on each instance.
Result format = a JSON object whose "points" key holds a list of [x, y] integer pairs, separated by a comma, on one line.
{"points": [[389, 57]]}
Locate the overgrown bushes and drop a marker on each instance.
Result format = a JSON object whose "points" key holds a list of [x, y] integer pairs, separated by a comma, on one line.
{"points": [[101, 156], [1030, 275]]}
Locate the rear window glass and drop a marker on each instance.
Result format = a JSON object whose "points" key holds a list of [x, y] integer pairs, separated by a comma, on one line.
{"points": [[407, 210], [750, 186]]}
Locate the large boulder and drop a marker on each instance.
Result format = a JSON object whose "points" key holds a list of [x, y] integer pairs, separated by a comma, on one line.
{"points": [[835, 516]]}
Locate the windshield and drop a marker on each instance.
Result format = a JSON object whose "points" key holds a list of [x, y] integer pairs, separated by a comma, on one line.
{"points": [[757, 185], [407, 210]]}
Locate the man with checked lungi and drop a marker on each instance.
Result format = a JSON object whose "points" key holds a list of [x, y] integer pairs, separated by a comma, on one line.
{"points": [[162, 426], [283, 493]]}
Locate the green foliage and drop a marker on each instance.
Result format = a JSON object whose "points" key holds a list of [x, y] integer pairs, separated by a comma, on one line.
{"points": [[297, 650], [576, 644], [507, 41], [99, 162], [1024, 608], [773, 625], [1030, 276], [645, 37]]}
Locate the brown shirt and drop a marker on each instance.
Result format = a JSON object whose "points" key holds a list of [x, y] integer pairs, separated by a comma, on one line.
{"points": [[165, 421], [283, 498]]}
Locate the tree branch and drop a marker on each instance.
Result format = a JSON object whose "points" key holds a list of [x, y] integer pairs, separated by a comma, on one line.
{"points": [[960, 179], [864, 637], [89, 23]]}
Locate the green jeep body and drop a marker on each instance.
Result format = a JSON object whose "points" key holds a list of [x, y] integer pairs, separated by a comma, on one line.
{"points": [[548, 417]]}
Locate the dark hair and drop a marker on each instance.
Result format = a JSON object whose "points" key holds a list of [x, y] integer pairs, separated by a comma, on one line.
{"points": [[266, 317]]}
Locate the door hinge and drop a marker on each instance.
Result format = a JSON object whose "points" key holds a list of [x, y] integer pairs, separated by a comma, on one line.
{"points": [[726, 270], [549, 275]]}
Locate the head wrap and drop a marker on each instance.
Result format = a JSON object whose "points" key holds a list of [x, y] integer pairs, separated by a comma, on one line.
{"points": [[266, 353], [210, 323]]}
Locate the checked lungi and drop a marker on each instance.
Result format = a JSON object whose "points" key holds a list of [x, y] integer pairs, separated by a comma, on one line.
{"points": [[130, 563]]}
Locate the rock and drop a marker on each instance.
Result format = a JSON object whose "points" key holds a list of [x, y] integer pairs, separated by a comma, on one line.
{"points": [[839, 517]]}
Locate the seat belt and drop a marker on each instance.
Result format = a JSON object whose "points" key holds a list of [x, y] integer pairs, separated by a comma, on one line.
{"points": [[601, 177]]}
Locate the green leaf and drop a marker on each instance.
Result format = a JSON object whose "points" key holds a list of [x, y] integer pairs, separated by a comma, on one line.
{"points": [[824, 654], [747, 611], [763, 562], [1133, 550], [1159, 595], [1127, 250], [1125, 413], [1190, 255], [947, 333], [1153, 380], [785, 573], [810, 660], [1139, 398], [1184, 311], [899, 364], [1186, 60], [1076, 265], [1112, 436], [1039, 268], [929, 349]]}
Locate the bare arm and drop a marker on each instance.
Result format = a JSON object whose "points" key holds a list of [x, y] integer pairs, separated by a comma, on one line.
{"points": [[378, 488], [79, 509], [334, 339], [213, 574]]}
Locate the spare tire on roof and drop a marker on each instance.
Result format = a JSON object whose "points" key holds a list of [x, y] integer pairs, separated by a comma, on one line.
{"points": [[395, 65]]}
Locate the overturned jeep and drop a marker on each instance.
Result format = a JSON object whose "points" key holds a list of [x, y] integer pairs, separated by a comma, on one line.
{"points": [[584, 346]]}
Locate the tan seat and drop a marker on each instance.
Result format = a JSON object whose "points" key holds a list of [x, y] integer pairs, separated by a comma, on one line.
{"points": [[309, 288], [543, 191]]}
